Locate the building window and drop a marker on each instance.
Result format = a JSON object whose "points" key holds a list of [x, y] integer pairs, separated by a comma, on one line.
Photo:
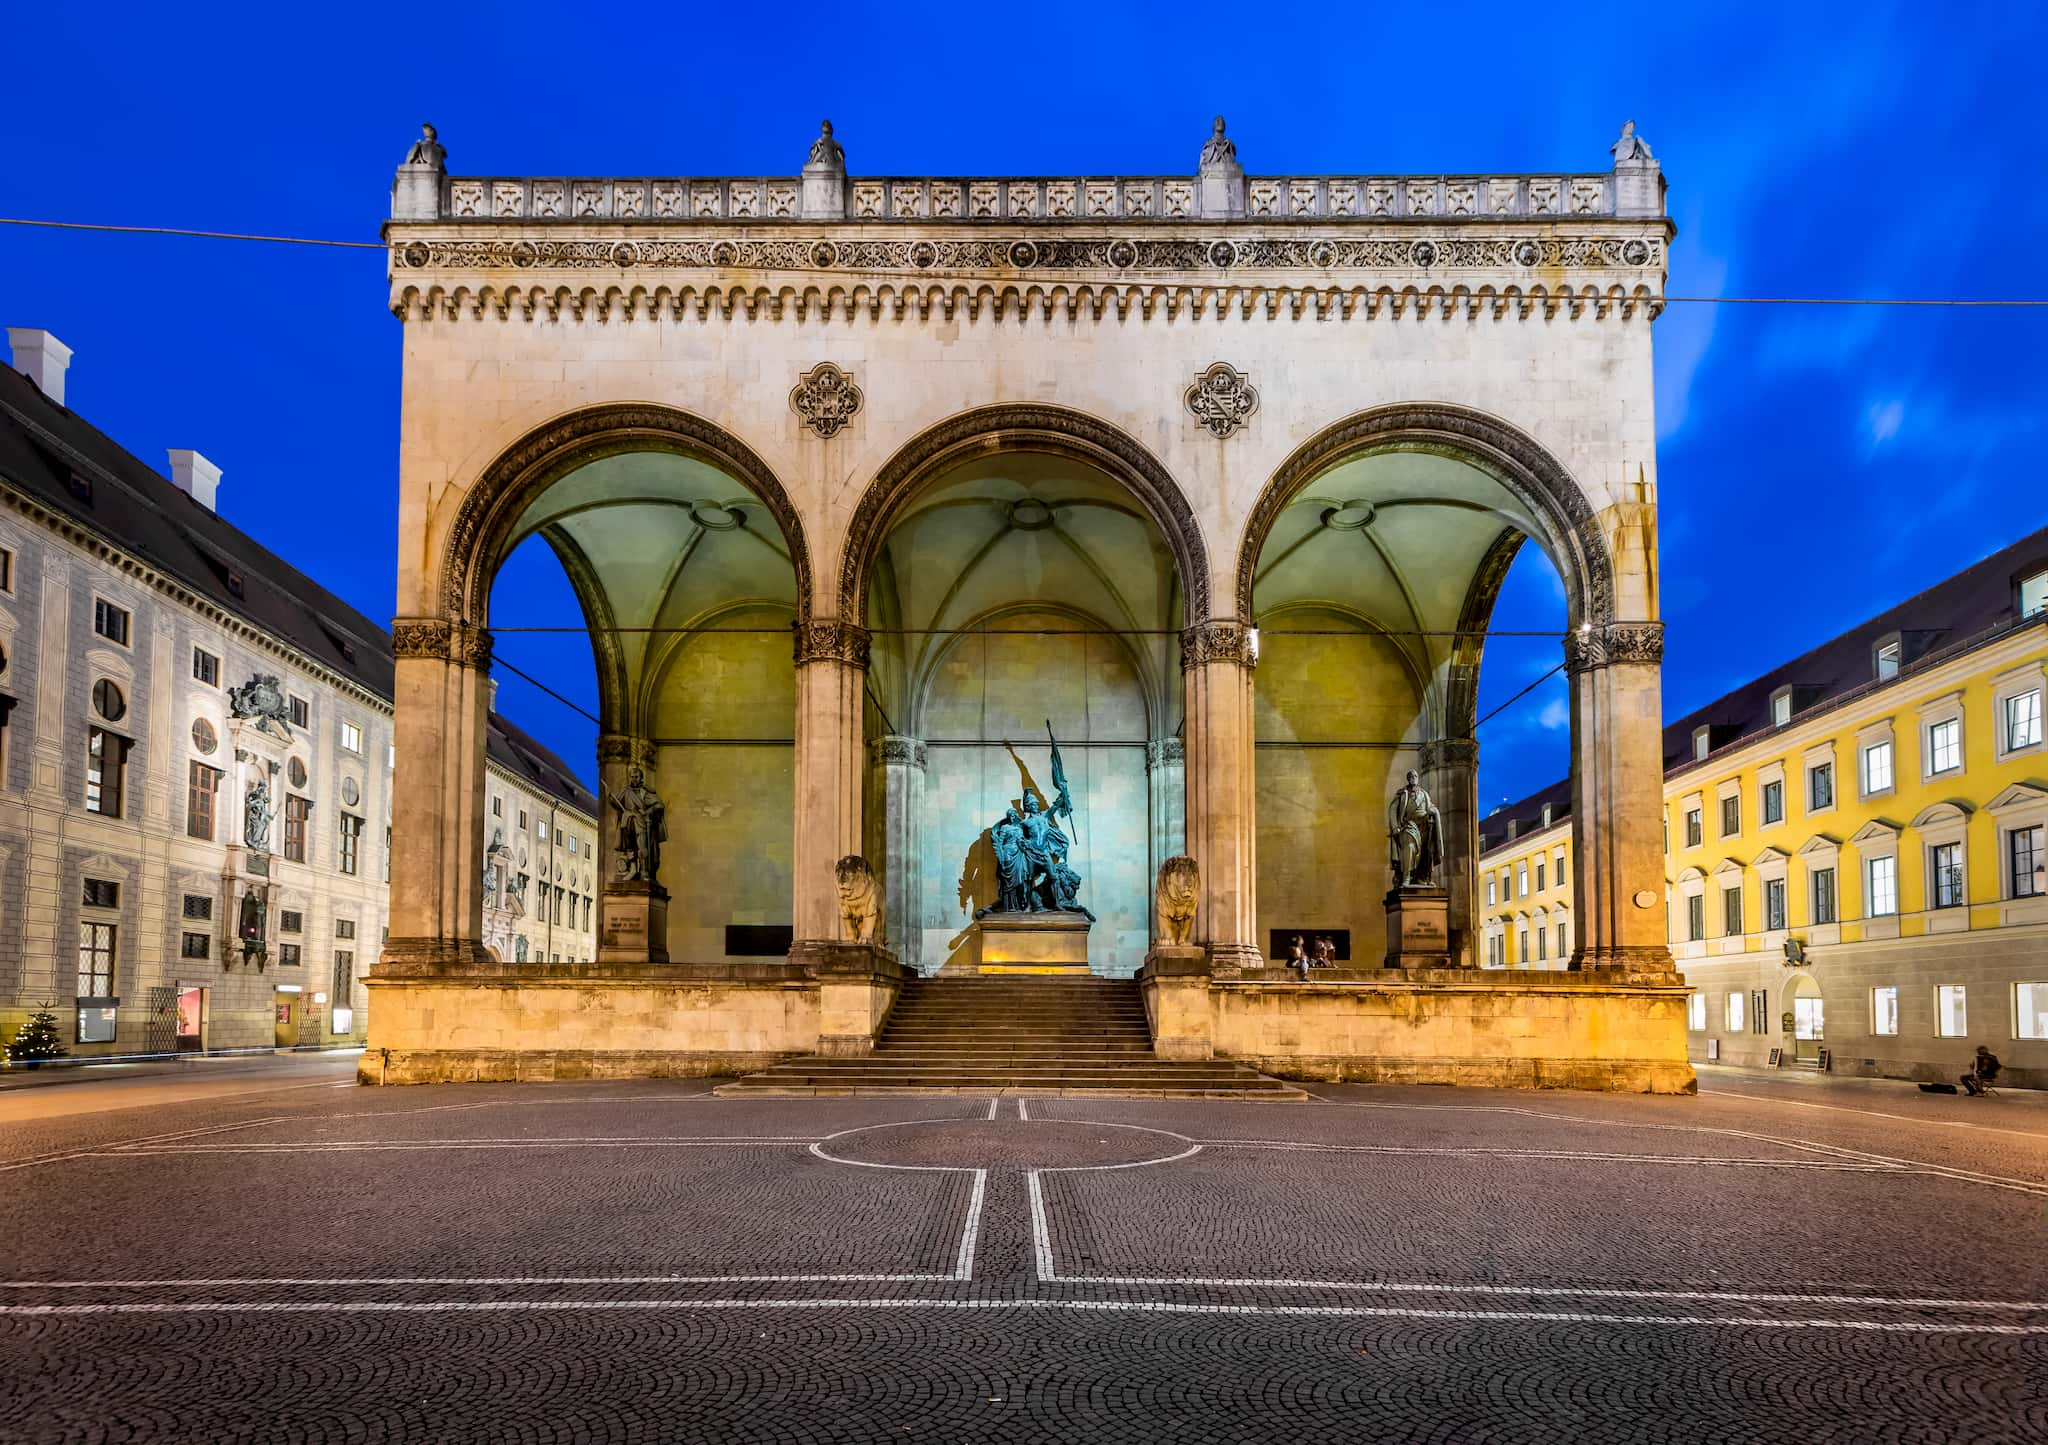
{"points": [[1522, 946], [1951, 1011], [1696, 1012], [1820, 786], [96, 960], [1492, 895], [109, 621], [1888, 660], [1702, 739], [1774, 904], [198, 906], [6, 570], [1884, 1010], [1823, 895], [106, 763], [1695, 917], [1945, 864], [344, 928], [300, 713], [297, 811], [1731, 815], [1759, 1011], [288, 955], [344, 979], [290, 920], [196, 945], [1522, 879], [1735, 1014], [101, 893], [2030, 1010], [1731, 910], [1542, 944], [522, 820], [2023, 720], [2033, 593], [2024, 852], [107, 700], [1539, 875], [1881, 885], [542, 830], [1695, 827], [1877, 768], [1563, 949], [205, 667], [351, 841], [572, 845], [351, 737], [497, 807], [1781, 707], [1945, 746], [200, 797], [1771, 806]]}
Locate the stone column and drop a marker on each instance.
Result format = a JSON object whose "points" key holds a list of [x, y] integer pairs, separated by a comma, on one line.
{"points": [[1450, 768], [1166, 790], [1616, 673], [831, 677], [901, 763], [1216, 661], [440, 695]]}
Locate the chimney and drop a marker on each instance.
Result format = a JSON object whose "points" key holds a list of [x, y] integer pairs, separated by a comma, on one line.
{"points": [[42, 358], [195, 476], [493, 704]]}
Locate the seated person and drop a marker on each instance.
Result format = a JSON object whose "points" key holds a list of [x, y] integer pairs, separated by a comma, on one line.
{"points": [[1983, 1070]]}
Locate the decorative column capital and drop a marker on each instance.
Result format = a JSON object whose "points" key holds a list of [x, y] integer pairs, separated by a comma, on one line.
{"points": [[831, 642], [897, 751], [1219, 641], [623, 748], [1164, 753], [1439, 753], [462, 643], [1627, 643]]}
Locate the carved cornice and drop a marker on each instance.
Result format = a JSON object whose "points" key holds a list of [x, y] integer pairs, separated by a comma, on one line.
{"points": [[1438, 753], [1055, 430], [831, 642], [1165, 753], [542, 457], [1210, 642], [1575, 542], [461, 643], [900, 752], [1639, 644]]}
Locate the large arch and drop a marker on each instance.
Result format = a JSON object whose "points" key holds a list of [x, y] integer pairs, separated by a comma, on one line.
{"points": [[1022, 426], [491, 508], [1571, 530]]}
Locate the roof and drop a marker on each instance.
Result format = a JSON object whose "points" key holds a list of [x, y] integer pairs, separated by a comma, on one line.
{"points": [[1966, 610], [44, 446]]}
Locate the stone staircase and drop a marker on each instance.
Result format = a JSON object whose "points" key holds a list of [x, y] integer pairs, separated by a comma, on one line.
{"points": [[1026, 1035]]}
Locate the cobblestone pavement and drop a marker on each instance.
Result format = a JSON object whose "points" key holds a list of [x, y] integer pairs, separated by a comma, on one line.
{"points": [[640, 1261]]}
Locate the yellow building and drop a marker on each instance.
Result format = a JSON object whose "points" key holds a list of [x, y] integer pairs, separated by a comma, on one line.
{"points": [[1857, 873]]}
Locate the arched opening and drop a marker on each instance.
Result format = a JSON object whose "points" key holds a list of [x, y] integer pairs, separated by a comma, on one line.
{"points": [[685, 561], [1808, 1018], [1373, 567], [1018, 581]]}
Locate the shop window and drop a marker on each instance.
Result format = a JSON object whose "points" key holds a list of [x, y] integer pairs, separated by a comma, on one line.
{"points": [[1951, 1011], [1696, 1012], [2030, 1010], [1735, 1013], [1884, 1010]]}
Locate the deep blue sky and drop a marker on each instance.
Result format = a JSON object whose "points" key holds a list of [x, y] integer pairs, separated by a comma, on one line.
{"points": [[1816, 463]]}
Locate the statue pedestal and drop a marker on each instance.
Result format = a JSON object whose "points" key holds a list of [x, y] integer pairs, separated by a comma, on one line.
{"points": [[1055, 943], [1419, 927], [634, 924]]}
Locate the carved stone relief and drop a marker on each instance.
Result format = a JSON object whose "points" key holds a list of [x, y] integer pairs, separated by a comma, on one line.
{"points": [[825, 399], [1222, 399]]}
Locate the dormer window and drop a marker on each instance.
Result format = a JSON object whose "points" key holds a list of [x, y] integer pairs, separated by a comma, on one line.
{"points": [[1701, 742], [1781, 707], [2034, 594], [1887, 659], [1546, 814]]}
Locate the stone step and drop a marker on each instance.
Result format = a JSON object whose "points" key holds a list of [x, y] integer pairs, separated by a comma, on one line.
{"points": [[748, 1088], [817, 1068]]}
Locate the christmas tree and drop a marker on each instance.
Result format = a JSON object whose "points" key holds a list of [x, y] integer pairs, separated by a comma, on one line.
{"points": [[36, 1039]]}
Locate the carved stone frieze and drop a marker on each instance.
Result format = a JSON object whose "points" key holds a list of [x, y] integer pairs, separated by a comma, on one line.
{"points": [[1634, 643], [900, 752], [1439, 753], [1165, 753], [825, 399], [1222, 399], [461, 643], [831, 642], [1208, 642]]}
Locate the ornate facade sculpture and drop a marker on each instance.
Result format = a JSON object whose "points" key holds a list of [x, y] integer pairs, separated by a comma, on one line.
{"points": [[1219, 149], [256, 815], [826, 151], [860, 898], [1415, 835], [428, 150], [1631, 147], [515, 894], [825, 399], [1222, 399], [643, 828], [1179, 889], [262, 698]]}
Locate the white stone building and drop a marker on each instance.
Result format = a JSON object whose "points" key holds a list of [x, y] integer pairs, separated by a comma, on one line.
{"points": [[137, 902]]}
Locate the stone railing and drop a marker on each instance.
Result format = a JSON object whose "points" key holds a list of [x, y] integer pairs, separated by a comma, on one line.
{"points": [[1034, 199]]}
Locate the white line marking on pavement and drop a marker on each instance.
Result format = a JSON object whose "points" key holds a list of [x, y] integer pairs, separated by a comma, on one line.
{"points": [[1021, 1114], [147, 1139], [1456, 1151], [367, 1146], [1089, 1306], [972, 1233], [478, 1281], [992, 1107], [1534, 1291], [1041, 1236], [1871, 1113]]}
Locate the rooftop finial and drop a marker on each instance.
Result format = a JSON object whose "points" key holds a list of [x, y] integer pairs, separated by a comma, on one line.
{"points": [[1631, 147], [428, 150], [1219, 149], [826, 151]]}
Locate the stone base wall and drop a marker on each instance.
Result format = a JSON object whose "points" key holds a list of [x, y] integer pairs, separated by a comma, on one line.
{"points": [[1602, 1030], [591, 1022]]}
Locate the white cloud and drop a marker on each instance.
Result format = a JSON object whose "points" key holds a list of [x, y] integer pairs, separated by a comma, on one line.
{"points": [[1885, 418], [1556, 714]]}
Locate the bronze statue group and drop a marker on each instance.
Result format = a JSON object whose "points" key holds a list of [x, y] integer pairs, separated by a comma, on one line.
{"points": [[1032, 872]]}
